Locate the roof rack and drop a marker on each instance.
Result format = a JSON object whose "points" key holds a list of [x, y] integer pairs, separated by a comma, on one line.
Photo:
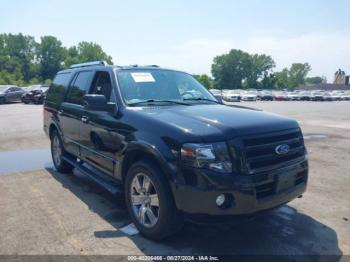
{"points": [[93, 63], [136, 65]]}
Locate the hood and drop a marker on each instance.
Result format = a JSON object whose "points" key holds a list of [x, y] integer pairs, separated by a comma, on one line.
{"points": [[217, 122]]}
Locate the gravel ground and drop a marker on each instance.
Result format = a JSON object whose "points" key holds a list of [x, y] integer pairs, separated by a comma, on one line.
{"points": [[44, 212]]}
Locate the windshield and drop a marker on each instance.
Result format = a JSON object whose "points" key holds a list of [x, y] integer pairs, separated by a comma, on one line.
{"points": [[157, 85]]}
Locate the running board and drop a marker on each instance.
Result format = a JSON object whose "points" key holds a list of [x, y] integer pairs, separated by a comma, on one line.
{"points": [[97, 176]]}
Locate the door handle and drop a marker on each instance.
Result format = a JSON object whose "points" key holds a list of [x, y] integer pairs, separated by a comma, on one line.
{"points": [[84, 119], [60, 112]]}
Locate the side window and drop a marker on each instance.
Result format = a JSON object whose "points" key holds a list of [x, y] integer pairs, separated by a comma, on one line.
{"points": [[102, 85], [58, 87], [79, 88]]}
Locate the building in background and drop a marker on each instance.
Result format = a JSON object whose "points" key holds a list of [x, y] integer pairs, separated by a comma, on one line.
{"points": [[341, 82], [340, 78]]}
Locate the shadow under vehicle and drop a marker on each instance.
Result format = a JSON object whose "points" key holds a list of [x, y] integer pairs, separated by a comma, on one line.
{"points": [[281, 234]]}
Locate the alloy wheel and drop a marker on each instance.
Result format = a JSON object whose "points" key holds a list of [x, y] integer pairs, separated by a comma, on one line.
{"points": [[56, 150], [144, 200]]}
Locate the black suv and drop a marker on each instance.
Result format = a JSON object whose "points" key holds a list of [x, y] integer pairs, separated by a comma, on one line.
{"points": [[161, 138]]}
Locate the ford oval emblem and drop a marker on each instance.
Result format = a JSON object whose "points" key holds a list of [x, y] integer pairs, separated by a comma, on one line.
{"points": [[282, 149]]}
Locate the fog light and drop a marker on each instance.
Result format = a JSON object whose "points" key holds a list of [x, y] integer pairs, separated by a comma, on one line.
{"points": [[220, 200]]}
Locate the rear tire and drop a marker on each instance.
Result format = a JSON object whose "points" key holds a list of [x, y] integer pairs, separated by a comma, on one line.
{"points": [[154, 219], [2, 100], [57, 152]]}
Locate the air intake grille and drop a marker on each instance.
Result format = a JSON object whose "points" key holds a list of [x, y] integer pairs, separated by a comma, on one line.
{"points": [[260, 151]]}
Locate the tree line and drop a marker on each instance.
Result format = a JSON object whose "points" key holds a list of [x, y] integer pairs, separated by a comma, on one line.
{"points": [[25, 61], [241, 70]]}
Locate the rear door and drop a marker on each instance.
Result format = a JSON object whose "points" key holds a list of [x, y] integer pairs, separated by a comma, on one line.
{"points": [[18, 93], [71, 111]]}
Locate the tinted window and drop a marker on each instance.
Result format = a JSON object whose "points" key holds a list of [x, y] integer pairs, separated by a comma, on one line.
{"points": [[58, 87], [102, 85], [79, 88]]}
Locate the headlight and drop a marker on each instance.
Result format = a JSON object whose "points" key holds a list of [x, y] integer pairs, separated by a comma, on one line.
{"points": [[211, 156]]}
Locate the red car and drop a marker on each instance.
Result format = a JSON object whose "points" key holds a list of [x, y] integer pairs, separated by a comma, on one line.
{"points": [[36, 95], [280, 96]]}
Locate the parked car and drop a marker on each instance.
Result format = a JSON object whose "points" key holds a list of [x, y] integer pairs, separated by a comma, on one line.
{"points": [[231, 96], [305, 96], [171, 153], [280, 96], [217, 93], [249, 96], [347, 95], [317, 96], [265, 95], [293, 96], [35, 95], [327, 96], [337, 95], [10, 93]]}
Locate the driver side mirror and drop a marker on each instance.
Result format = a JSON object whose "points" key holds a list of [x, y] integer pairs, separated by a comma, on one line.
{"points": [[99, 103]]}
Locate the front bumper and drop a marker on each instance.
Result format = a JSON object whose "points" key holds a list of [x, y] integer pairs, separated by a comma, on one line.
{"points": [[248, 194]]}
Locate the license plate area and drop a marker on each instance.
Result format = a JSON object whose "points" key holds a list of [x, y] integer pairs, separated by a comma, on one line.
{"points": [[285, 182]]}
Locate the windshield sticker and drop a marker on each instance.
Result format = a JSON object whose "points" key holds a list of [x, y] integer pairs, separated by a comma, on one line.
{"points": [[142, 77]]}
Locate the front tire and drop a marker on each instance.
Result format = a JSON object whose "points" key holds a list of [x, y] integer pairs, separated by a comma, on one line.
{"points": [[57, 152], [150, 202]]}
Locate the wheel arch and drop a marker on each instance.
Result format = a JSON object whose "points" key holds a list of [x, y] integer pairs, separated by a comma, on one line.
{"points": [[143, 151]]}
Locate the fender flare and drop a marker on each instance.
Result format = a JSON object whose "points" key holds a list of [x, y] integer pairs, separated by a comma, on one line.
{"points": [[168, 168]]}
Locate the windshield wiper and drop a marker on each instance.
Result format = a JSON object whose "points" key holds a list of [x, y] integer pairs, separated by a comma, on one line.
{"points": [[159, 101], [201, 99]]}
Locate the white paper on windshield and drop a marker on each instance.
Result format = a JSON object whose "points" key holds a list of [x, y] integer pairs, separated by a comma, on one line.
{"points": [[142, 77]]}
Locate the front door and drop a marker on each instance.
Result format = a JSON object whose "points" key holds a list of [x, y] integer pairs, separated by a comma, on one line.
{"points": [[99, 137], [11, 94]]}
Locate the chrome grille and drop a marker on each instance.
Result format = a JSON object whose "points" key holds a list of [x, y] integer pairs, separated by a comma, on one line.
{"points": [[260, 150]]}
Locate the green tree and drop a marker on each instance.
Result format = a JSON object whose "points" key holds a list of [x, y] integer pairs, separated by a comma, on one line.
{"points": [[260, 70], [292, 77], [314, 80], [297, 74], [17, 54], [51, 55], [230, 69], [84, 52], [268, 81], [205, 80], [282, 79], [24, 61]]}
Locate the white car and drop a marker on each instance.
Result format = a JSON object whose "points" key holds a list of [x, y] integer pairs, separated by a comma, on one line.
{"points": [[293, 96], [347, 95], [217, 93], [337, 96], [249, 96], [327, 96], [231, 96]]}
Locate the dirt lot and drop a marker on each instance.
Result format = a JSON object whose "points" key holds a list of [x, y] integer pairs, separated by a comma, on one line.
{"points": [[44, 212]]}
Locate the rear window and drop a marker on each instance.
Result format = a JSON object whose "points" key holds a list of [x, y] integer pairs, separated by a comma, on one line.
{"points": [[58, 88]]}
